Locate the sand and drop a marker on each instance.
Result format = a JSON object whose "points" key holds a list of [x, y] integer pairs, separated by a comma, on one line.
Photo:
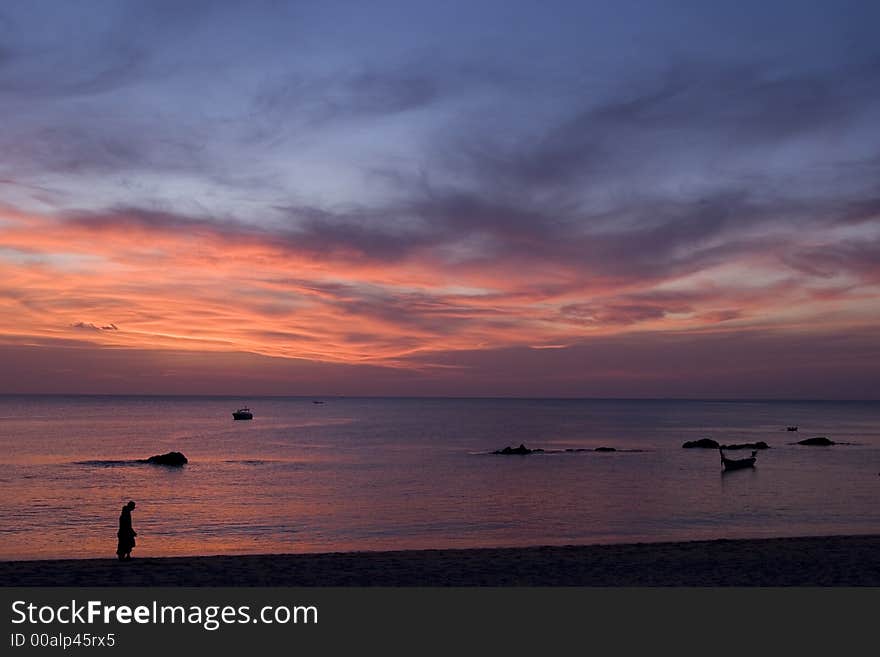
{"points": [[814, 561]]}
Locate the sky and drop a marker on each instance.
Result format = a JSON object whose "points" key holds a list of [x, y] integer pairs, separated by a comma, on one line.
{"points": [[517, 198]]}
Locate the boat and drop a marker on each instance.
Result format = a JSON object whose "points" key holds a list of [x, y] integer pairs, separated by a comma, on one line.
{"points": [[791, 428], [316, 401], [738, 464], [242, 414]]}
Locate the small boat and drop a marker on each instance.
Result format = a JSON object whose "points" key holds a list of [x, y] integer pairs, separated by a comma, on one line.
{"points": [[242, 414], [791, 428], [316, 401], [738, 464]]}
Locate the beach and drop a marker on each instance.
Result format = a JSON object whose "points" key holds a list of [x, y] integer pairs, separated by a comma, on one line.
{"points": [[808, 561]]}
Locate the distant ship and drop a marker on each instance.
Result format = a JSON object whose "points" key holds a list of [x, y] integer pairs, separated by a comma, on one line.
{"points": [[242, 414], [791, 428]]}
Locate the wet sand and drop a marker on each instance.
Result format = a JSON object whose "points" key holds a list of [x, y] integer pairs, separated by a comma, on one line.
{"points": [[813, 561]]}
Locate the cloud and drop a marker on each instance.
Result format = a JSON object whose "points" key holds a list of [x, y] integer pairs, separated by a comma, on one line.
{"points": [[315, 290], [154, 129], [780, 364], [612, 314], [88, 326], [219, 179], [730, 118], [769, 364], [860, 259], [300, 99]]}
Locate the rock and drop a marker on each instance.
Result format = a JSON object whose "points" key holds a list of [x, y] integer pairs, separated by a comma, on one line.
{"points": [[706, 443], [171, 458], [758, 445], [820, 441], [605, 449], [522, 449]]}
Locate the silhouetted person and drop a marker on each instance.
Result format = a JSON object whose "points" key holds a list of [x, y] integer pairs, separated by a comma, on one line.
{"points": [[126, 534]]}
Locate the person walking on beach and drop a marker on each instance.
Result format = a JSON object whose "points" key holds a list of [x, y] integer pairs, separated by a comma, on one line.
{"points": [[126, 534]]}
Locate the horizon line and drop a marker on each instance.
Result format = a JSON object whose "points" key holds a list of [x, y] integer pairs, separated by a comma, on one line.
{"points": [[415, 397]]}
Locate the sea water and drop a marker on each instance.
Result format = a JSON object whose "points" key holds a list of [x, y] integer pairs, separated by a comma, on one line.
{"points": [[381, 474]]}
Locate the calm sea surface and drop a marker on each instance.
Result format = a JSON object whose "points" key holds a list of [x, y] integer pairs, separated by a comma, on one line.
{"points": [[369, 474]]}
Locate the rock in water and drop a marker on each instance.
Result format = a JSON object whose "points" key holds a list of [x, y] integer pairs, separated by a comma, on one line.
{"points": [[706, 443], [522, 449], [758, 445], [821, 441], [171, 458]]}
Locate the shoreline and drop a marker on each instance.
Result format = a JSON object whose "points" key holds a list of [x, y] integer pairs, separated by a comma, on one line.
{"points": [[804, 561]]}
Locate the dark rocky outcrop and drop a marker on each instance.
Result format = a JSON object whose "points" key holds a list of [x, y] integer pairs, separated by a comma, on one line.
{"points": [[706, 443], [820, 441], [758, 445], [521, 450], [601, 449], [171, 458]]}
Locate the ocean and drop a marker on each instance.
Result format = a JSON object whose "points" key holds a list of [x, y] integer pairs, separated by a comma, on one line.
{"points": [[385, 474]]}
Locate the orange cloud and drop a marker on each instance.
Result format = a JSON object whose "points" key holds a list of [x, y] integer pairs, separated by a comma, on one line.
{"points": [[149, 283]]}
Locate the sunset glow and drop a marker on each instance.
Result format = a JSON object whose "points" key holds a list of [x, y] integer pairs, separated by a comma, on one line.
{"points": [[408, 220]]}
